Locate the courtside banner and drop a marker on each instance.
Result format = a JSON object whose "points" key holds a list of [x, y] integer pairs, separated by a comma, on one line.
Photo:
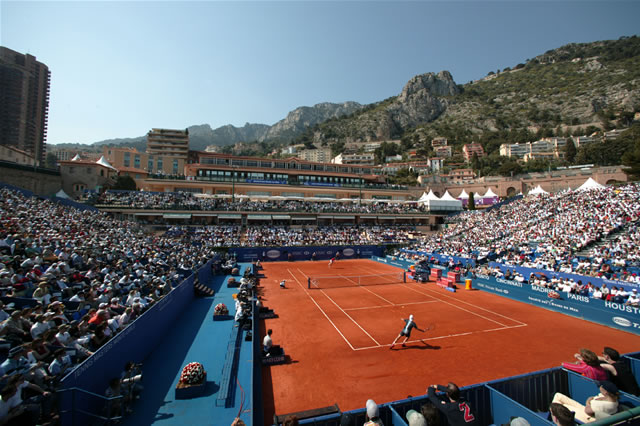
{"points": [[611, 314], [280, 254], [526, 272], [442, 258], [392, 260]]}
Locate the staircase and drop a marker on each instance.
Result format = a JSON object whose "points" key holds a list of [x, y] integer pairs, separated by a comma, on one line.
{"points": [[602, 242]]}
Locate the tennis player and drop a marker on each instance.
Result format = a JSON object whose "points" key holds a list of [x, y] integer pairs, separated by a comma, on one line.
{"points": [[333, 259], [282, 283], [409, 325]]}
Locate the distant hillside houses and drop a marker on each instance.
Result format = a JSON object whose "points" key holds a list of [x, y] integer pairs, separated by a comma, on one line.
{"points": [[552, 148]]}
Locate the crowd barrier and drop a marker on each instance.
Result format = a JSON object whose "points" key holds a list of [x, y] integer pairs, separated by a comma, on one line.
{"points": [[279, 254], [497, 402], [597, 281], [134, 343]]}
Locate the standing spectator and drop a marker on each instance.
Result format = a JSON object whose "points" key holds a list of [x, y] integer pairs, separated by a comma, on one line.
{"points": [[619, 372], [452, 405]]}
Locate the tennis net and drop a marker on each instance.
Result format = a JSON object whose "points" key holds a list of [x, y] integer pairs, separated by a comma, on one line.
{"points": [[356, 280]]}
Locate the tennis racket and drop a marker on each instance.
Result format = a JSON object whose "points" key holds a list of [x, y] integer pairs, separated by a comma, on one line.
{"points": [[430, 327]]}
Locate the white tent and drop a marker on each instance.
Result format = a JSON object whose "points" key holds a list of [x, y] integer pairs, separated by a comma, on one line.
{"points": [[428, 197], [490, 194], [537, 191], [62, 194], [590, 184], [76, 158], [463, 195], [446, 203], [103, 162], [423, 197]]}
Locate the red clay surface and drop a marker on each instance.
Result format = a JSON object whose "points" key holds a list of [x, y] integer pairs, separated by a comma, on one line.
{"points": [[339, 339]]}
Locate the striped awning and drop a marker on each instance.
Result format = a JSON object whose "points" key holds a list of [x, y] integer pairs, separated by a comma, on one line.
{"points": [[229, 216], [176, 216], [259, 217]]}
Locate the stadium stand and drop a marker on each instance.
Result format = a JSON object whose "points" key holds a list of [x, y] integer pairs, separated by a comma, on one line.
{"points": [[78, 279]]}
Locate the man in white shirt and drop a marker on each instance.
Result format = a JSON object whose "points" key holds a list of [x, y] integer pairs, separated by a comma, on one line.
{"points": [[267, 343], [633, 299]]}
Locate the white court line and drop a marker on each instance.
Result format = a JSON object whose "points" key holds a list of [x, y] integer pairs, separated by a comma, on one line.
{"points": [[321, 310], [446, 337], [365, 288], [386, 306], [461, 308], [467, 303], [343, 311]]}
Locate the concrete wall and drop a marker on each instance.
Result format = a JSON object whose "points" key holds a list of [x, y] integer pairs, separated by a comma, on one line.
{"points": [[45, 183]]}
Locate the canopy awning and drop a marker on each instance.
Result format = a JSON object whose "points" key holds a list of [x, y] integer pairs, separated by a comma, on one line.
{"points": [[304, 217], [259, 217], [281, 217], [176, 216], [229, 216]]}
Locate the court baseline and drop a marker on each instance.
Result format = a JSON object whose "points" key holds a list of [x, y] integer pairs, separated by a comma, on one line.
{"points": [[429, 293]]}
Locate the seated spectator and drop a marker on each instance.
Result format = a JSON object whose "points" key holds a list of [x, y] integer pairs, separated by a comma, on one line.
{"points": [[60, 364], [373, 414], [452, 405], [561, 415], [587, 364], [430, 413], [619, 372], [633, 299], [596, 407], [415, 419]]}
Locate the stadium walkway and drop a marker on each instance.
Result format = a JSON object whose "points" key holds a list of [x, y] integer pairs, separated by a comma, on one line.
{"points": [[195, 337]]}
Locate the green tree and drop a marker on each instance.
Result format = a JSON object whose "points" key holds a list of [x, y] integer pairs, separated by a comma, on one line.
{"points": [[51, 161], [631, 158], [570, 151], [125, 183], [475, 162], [510, 168], [471, 205]]}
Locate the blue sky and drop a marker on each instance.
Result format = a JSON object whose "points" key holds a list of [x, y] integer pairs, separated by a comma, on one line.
{"points": [[120, 68]]}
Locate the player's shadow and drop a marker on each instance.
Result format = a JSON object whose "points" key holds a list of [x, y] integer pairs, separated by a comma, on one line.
{"points": [[422, 347]]}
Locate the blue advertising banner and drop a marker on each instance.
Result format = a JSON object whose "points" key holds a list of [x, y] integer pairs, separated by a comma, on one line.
{"points": [[335, 185], [391, 260], [443, 258], [280, 254], [266, 181], [526, 272], [616, 315]]}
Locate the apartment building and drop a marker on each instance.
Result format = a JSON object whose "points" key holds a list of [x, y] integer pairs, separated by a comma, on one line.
{"points": [[168, 143], [472, 148], [364, 159], [443, 151], [24, 101]]}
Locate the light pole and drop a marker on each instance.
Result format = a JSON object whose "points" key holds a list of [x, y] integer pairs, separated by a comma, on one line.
{"points": [[233, 184], [360, 198]]}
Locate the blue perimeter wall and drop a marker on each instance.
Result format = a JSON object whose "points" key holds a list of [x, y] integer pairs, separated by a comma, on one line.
{"points": [[278, 254], [616, 315], [526, 272], [133, 343]]}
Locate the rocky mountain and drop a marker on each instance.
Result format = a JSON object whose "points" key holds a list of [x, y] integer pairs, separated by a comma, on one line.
{"points": [[296, 122], [564, 90]]}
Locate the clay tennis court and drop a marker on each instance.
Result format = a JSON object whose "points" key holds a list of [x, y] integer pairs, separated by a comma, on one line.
{"points": [[338, 339]]}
